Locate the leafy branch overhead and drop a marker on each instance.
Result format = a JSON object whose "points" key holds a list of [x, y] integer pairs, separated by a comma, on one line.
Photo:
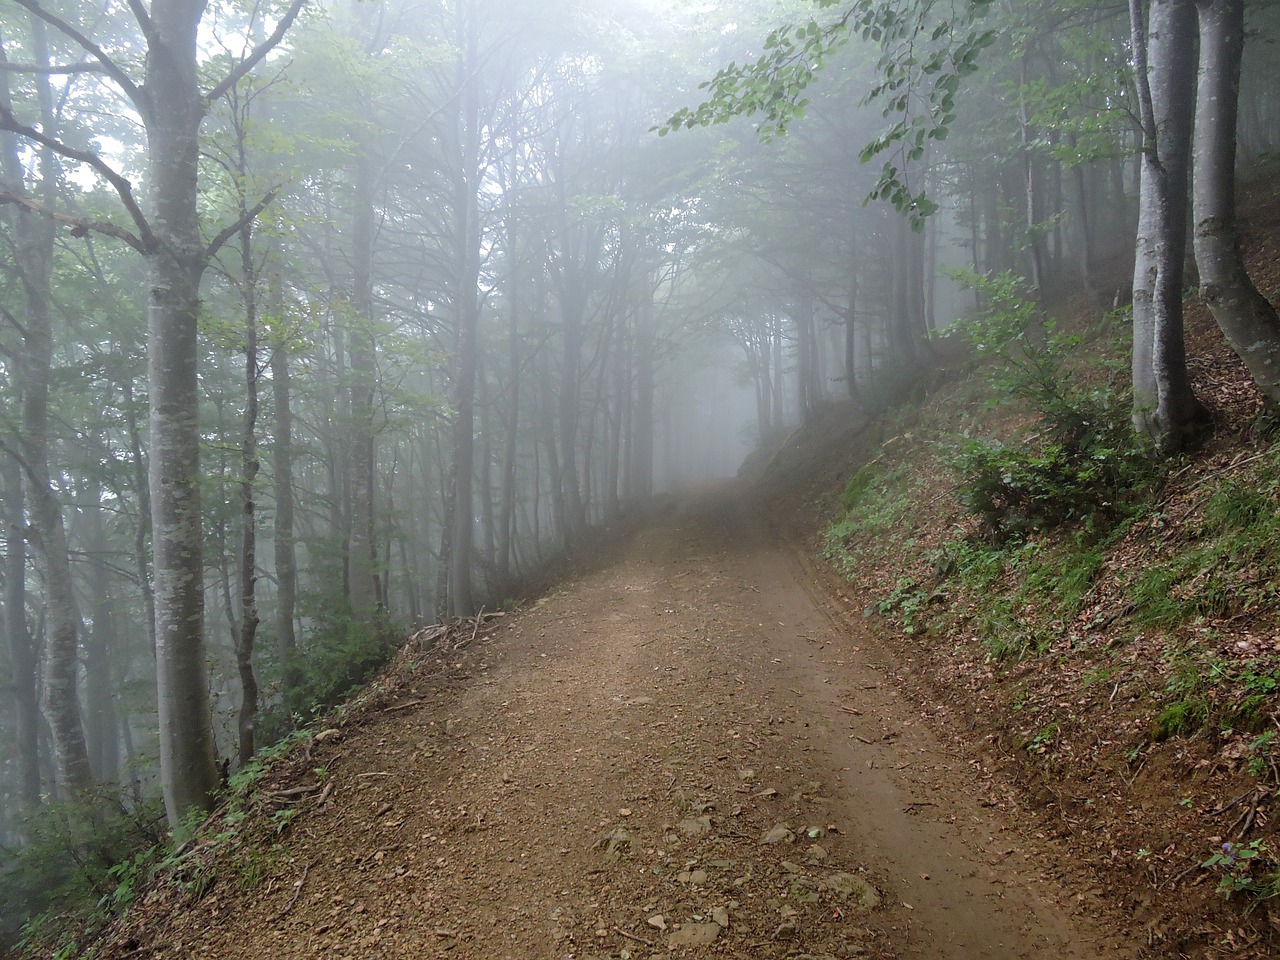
{"points": [[926, 49]]}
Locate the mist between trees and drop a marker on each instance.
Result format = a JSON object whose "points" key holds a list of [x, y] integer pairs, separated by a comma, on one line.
{"points": [[323, 320]]}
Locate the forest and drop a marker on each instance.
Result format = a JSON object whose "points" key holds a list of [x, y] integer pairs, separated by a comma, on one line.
{"points": [[322, 322]]}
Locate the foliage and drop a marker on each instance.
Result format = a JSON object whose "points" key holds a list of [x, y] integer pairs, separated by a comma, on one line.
{"points": [[75, 861], [1206, 691], [1232, 562], [84, 865], [925, 52], [876, 502], [1247, 868], [1083, 464], [338, 655]]}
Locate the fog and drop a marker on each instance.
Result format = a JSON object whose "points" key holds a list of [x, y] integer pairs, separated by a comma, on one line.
{"points": [[434, 302]]}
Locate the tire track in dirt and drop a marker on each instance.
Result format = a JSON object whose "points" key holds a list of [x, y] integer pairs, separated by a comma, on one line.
{"points": [[676, 755]]}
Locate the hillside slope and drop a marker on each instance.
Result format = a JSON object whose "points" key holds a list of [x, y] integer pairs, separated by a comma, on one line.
{"points": [[1124, 665]]}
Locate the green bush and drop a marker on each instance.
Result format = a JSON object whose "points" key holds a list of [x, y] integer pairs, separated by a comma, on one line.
{"points": [[74, 862], [337, 656], [1083, 463]]}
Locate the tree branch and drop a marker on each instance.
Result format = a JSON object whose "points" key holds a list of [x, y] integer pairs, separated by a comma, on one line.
{"points": [[229, 231], [17, 325], [109, 66], [239, 71], [145, 22], [52, 70], [145, 241], [79, 225], [1146, 111]]}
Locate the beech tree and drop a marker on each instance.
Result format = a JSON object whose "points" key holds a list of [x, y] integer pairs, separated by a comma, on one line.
{"points": [[1165, 409], [166, 232], [1246, 317]]}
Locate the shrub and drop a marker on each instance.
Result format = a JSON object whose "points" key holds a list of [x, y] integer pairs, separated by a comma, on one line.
{"points": [[1084, 463], [74, 860]]}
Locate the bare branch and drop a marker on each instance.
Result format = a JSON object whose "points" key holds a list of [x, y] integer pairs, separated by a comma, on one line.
{"points": [[255, 56], [17, 325], [229, 231], [52, 70], [123, 187], [79, 225], [145, 22], [109, 66]]}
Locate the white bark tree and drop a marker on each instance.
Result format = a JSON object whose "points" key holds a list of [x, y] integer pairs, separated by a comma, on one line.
{"points": [[1165, 410], [1247, 319], [167, 233]]}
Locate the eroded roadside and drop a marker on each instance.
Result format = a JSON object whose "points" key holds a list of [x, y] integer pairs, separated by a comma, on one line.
{"points": [[678, 754]]}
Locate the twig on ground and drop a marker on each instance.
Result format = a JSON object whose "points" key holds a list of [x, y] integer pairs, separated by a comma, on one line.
{"points": [[632, 936], [297, 892]]}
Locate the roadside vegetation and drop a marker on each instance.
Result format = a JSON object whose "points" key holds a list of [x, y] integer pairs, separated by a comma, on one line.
{"points": [[1115, 613]]}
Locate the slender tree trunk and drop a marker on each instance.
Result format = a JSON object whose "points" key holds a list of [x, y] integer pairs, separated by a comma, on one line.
{"points": [[282, 462], [103, 727], [511, 421], [361, 548], [249, 464], [572, 309], [613, 457], [466, 296], [33, 258], [142, 528], [23, 657], [852, 380], [1246, 317], [641, 484]]}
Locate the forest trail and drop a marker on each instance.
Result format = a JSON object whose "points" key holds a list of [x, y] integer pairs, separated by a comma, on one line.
{"points": [[685, 753]]}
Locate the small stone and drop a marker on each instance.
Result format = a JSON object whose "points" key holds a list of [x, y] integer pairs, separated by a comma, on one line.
{"points": [[779, 834], [614, 843], [850, 886], [657, 921], [721, 916], [694, 826], [801, 890], [694, 935], [786, 931]]}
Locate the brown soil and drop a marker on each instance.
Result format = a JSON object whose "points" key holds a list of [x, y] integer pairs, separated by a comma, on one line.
{"points": [[689, 752]]}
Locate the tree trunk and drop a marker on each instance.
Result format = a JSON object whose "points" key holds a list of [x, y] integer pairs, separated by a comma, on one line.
{"points": [[1246, 317], [142, 528], [282, 462], [103, 728], [174, 110], [466, 297], [33, 257], [641, 459], [361, 353], [511, 420], [246, 636], [22, 651], [572, 308], [1166, 97], [852, 380]]}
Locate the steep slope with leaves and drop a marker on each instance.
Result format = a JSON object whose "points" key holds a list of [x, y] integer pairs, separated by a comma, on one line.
{"points": [[1110, 621]]}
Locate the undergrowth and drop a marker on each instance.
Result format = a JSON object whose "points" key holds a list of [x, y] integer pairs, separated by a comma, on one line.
{"points": [[93, 861], [1064, 541]]}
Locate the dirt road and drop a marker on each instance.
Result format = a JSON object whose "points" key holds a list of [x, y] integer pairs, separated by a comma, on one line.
{"points": [[680, 754]]}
